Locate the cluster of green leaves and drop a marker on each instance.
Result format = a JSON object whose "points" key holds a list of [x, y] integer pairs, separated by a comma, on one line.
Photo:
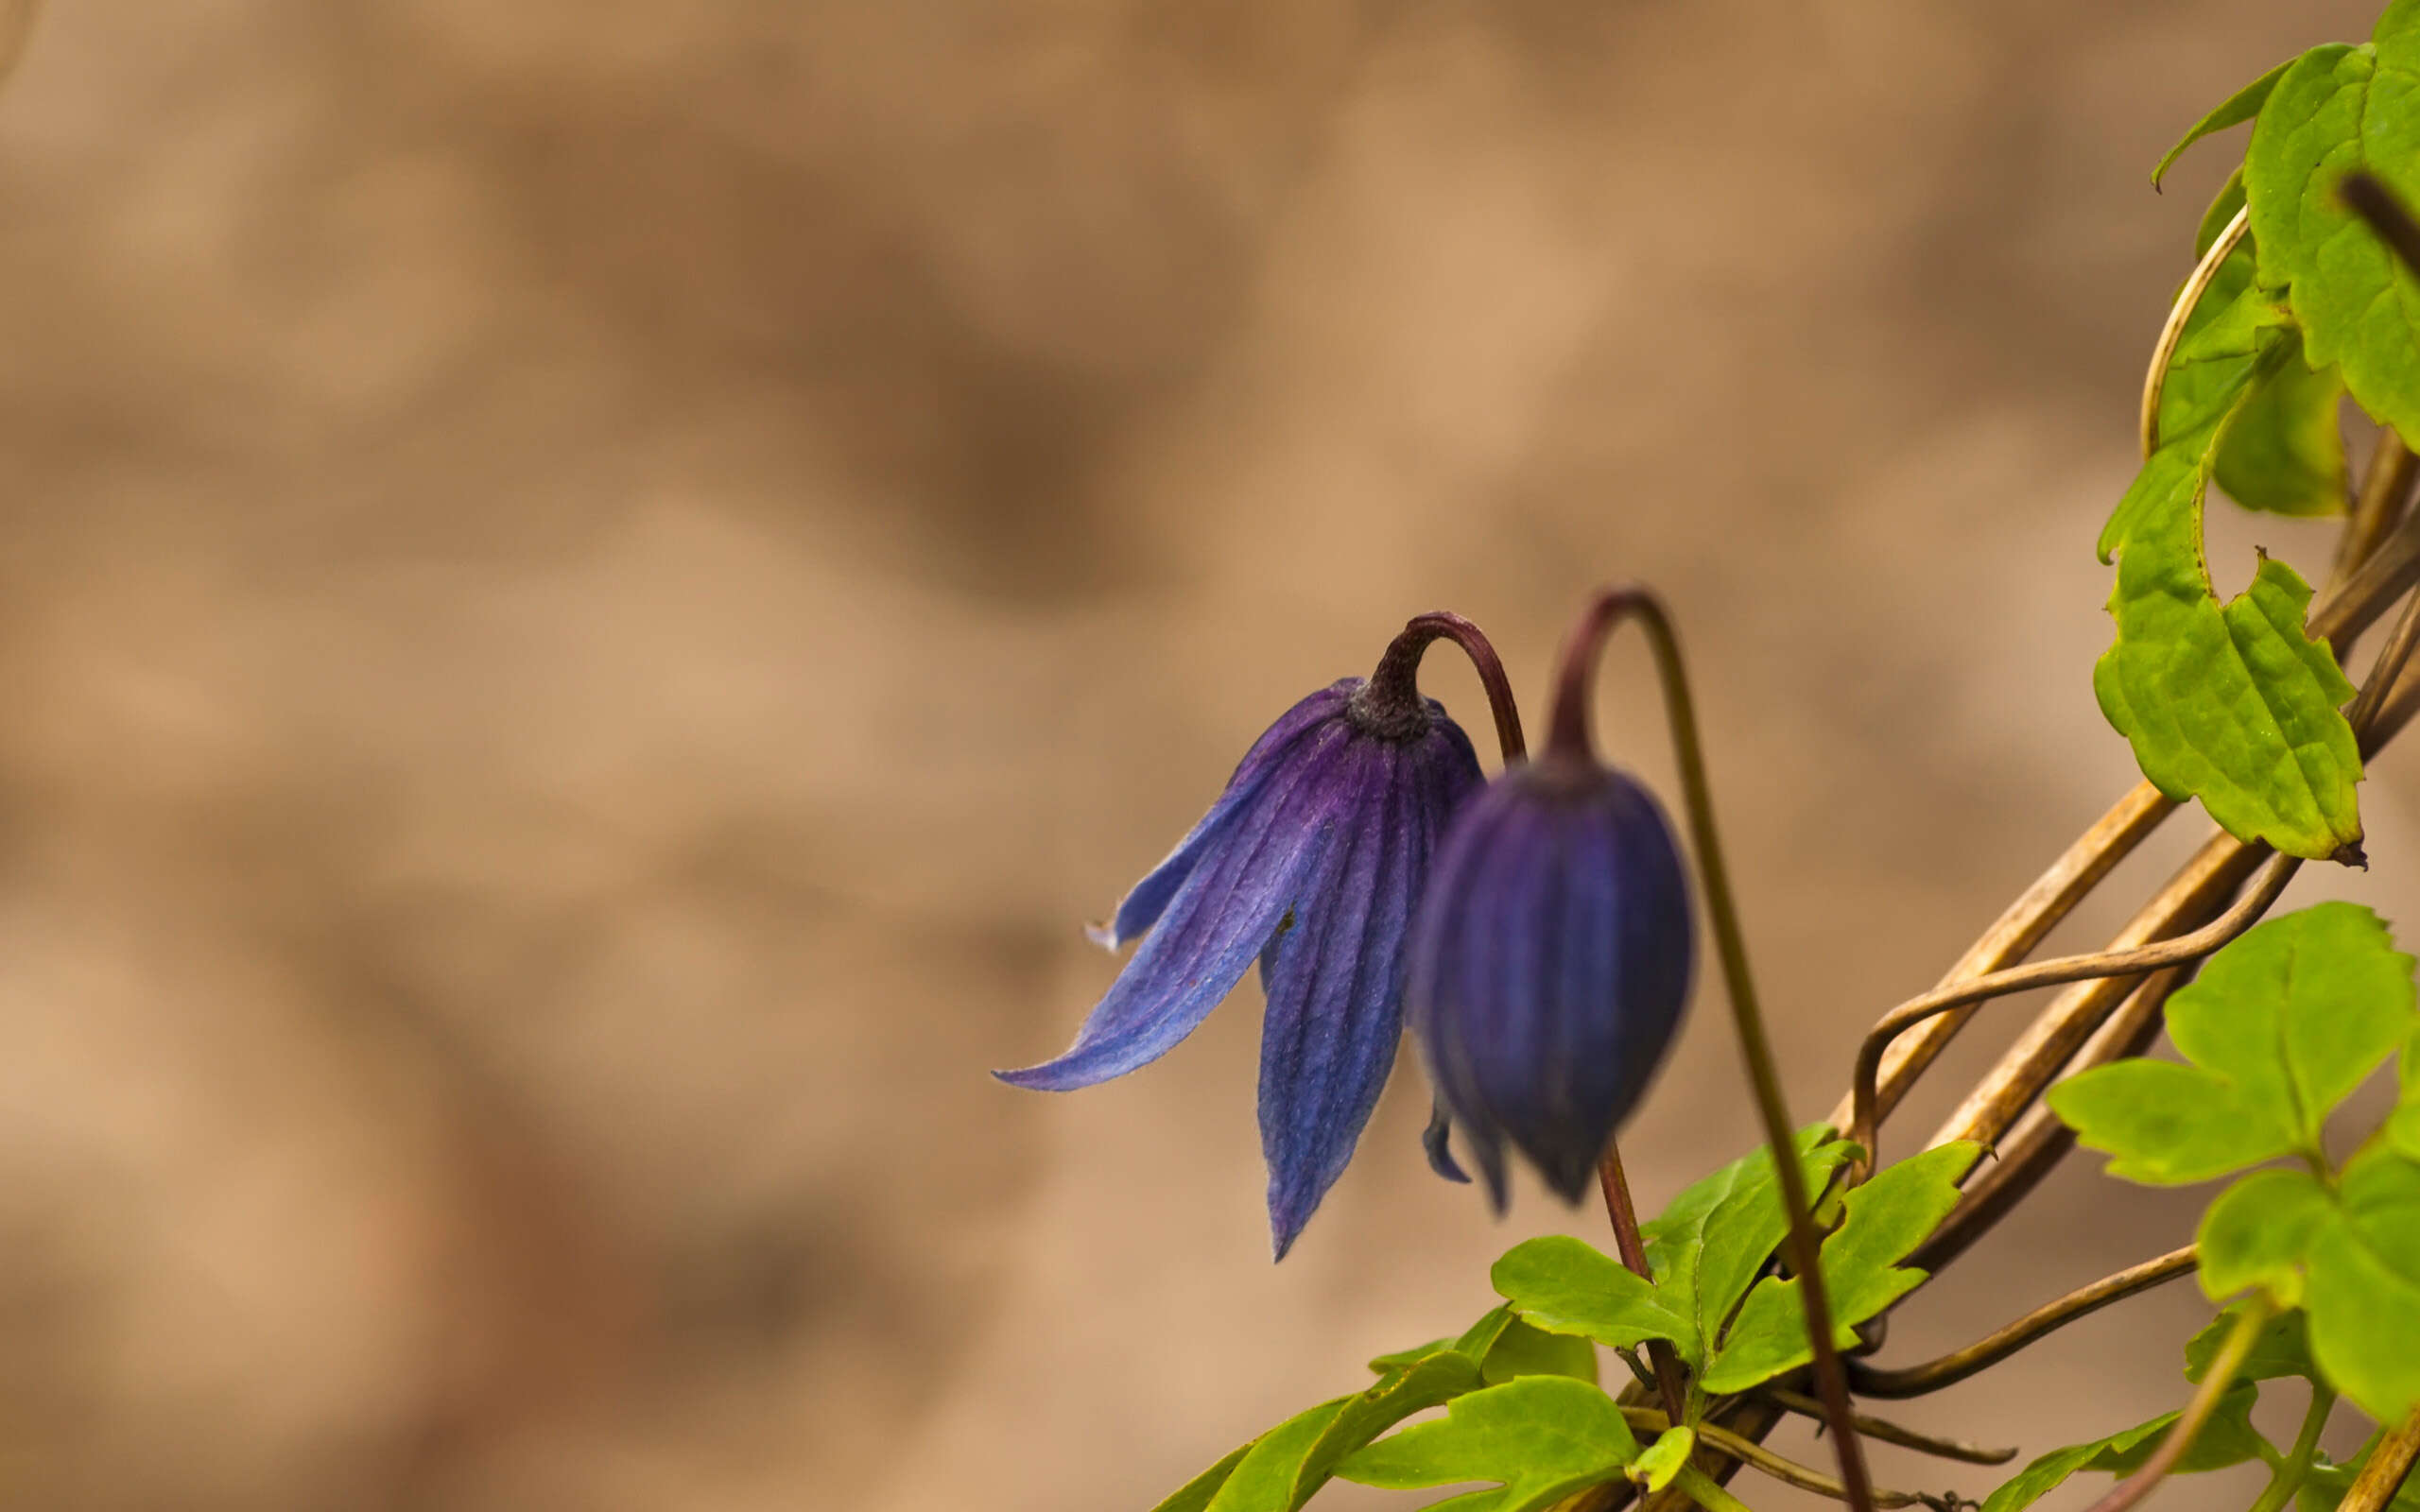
{"points": [[1525, 1410], [2234, 703], [2281, 1026], [1731, 1327]]}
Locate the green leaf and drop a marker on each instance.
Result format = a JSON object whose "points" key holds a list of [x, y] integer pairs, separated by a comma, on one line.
{"points": [[2281, 1025], [1543, 1436], [1565, 1286], [1663, 1458], [2259, 1233], [1505, 1347], [1886, 1219], [2326, 1483], [1195, 1494], [2231, 336], [2237, 107], [2234, 704], [1281, 1469], [2403, 1130], [2283, 451], [1249, 1476], [1480, 1337], [1380, 1365], [2226, 1439], [2222, 208], [2350, 1258], [2282, 1349], [1710, 1241], [1524, 1350], [2335, 109], [2362, 1288]]}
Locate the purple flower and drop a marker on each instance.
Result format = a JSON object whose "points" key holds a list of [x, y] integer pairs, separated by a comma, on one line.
{"points": [[1313, 860], [1550, 963]]}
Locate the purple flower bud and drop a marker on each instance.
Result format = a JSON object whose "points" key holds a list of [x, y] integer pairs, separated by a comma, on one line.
{"points": [[1311, 860], [1550, 963]]}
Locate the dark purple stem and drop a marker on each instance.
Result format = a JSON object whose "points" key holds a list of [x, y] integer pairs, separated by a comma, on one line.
{"points": [[1394, 688]]}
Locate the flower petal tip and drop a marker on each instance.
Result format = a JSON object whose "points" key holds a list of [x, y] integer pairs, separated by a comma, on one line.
{"points": [[1441, 1158], [1103, 932]]}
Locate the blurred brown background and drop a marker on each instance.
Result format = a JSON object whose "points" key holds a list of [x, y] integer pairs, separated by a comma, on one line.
{"points": [[592, 591]]}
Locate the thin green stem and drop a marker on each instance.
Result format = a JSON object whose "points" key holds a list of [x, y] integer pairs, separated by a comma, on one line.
{"points": [[1705, 1493], [2290, 1473], [2230, 1359], [1569, 736]]}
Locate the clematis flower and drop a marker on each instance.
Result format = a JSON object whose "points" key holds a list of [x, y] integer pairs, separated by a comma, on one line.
{"points": [[1550, 958], [1312, 861]]}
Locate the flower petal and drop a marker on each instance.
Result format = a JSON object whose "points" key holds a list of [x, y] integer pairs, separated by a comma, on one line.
{"points": [[1220, 917], [1148, 899], [1335, 987]]}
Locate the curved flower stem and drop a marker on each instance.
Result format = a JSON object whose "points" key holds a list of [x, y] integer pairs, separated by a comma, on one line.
{"points": [[2383, 1475], [2131, 962], [1634, 1252], [1396, 677], [2197, 1412], [1891, 1432], [2288, 1478], [1916, 1380], [1569, 733]]}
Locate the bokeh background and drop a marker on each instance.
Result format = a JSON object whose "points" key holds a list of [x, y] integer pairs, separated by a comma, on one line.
{"points": [[590, 591]]}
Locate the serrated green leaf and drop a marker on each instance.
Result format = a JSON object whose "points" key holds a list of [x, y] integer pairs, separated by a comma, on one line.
{"points": [[2235, 109], [2259, 1232], [2282, 1349], [1523, 1351], [2362, 1288], [1564, 1285], [2234, 704], [2351, 1258], [1663, 1459], [1886, 1219], [2166, 1124], [1543, 1436], [2279, 1027], [2336, 108], [2283, 450], [2227, 1438], [2222, 208], [1709, 1243]]}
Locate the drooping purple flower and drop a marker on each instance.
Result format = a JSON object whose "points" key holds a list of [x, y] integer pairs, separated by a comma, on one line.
{"points": [[1312, 860], [1550, 964]]}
